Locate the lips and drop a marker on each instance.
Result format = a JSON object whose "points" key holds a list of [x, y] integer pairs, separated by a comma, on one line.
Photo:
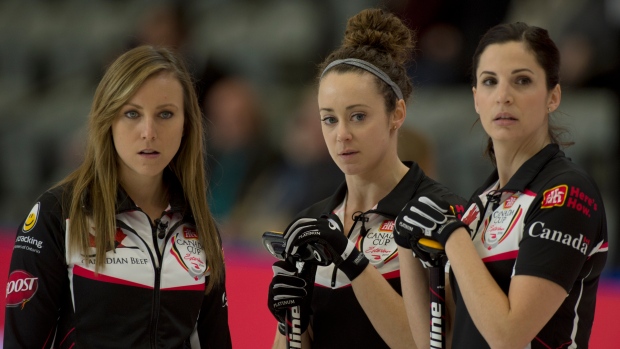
{"points": [[504, 116], [148, 152], [347, 152]]}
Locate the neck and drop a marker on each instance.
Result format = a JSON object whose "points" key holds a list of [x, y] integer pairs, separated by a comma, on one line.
{"points": [[363, 192], [510, 157], [150, 194]]}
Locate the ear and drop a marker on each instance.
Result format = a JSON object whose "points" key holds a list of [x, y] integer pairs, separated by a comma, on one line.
{"points": [[399, 115], [473, 90], [555, 96]]}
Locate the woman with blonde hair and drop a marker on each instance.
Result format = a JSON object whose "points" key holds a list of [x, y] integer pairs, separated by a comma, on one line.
{"points": [[124, 252]]}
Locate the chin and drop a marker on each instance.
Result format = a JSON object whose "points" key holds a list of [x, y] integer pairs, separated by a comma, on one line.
{"points": [[351, 170]]}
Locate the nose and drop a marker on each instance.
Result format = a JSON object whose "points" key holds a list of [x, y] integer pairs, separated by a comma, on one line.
{"points": [[148, 128], [504, 93], [342, 132]]}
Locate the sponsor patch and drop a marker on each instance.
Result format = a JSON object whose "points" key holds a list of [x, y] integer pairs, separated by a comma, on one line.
{"points": [[20, 288], [378, 245], [32, 218], [580, 243], [501, 224], [510, 201], [581, 202], [387, 225], [555, 196], [189, 233], [28, 243], [189, 254]]}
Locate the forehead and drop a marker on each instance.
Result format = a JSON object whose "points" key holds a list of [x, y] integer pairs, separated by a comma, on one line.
{"points": [[162, 84], [508, 56], [347, 85]]}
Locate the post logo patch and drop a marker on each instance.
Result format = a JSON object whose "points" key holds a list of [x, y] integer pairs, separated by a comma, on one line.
{"points": [[20, 288]]}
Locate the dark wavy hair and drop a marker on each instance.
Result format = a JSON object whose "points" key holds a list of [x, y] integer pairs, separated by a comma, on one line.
{"points": [[545, 51]]}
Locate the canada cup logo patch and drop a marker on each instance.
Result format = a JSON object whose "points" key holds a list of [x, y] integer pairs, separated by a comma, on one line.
{"points": [[32, 218], [20, 288], [501, 224], [378, 244], [188, 251]]}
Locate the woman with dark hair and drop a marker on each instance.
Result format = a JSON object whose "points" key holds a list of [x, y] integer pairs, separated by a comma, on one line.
{"points": [[527, 256], [354, 299], [124, 253]]}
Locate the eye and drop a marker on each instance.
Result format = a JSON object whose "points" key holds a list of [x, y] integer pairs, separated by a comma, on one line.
{"points": [[166, 115], [524, 80], [131, 114], [489, 81], [329, 120], [358, 116]]}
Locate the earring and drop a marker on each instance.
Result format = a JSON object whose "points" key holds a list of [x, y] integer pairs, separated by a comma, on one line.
{"points": [[549, 109]]}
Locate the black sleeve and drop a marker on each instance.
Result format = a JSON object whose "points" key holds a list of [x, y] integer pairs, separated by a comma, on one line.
{"points": [[38, 280], [458, 203], [212, 326], [564, 226]]}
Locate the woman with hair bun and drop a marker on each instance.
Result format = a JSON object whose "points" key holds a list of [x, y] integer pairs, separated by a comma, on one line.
{"points": [[353, 299]]}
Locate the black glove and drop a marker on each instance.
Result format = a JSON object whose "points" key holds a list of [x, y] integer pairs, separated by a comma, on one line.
{"points": [[288, 289], [327, 233], [425, 216]]}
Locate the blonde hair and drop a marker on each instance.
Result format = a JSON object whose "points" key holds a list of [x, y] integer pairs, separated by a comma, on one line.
{"points": [[94, 184]]}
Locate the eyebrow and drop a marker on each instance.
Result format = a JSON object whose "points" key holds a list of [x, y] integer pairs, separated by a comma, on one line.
{"points": [[516, 71], [347, 108], [158, 107]]}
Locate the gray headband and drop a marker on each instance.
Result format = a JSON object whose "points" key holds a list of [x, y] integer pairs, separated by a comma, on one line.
{"points": [[369, 68]]}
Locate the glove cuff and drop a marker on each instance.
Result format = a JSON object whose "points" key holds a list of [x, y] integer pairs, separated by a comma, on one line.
{"points": [[282, 328], [354, 265], [400, 239], [443, 234]]}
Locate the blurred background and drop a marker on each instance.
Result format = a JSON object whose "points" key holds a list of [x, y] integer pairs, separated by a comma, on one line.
{"points": [[254, 63]]}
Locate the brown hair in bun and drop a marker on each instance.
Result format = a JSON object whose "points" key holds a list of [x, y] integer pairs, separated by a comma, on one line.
{"points": [[382, 39]]}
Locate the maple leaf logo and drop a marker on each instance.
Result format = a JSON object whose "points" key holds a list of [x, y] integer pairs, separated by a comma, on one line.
{"points": [[471, 215]]}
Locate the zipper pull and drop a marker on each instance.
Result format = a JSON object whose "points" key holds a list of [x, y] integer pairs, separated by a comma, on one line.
{"points": [[161, 228], [494, 197]]}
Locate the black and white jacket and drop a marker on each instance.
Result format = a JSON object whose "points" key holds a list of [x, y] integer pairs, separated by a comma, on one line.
{"points": [[150, 294], [338, 320], [548, 221]]}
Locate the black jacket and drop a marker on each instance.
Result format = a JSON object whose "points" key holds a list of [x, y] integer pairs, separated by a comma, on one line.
{"points": [[338, 320], [151, 293]]}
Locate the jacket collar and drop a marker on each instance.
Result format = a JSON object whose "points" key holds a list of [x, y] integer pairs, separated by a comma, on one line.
{"points": [[125, 203], [528, 171], [394, 201]]}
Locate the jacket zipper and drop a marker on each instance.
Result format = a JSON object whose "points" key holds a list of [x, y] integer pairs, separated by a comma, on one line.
{"points": [[493, 199], [156, 288], [358, 219], [155, 307]]}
